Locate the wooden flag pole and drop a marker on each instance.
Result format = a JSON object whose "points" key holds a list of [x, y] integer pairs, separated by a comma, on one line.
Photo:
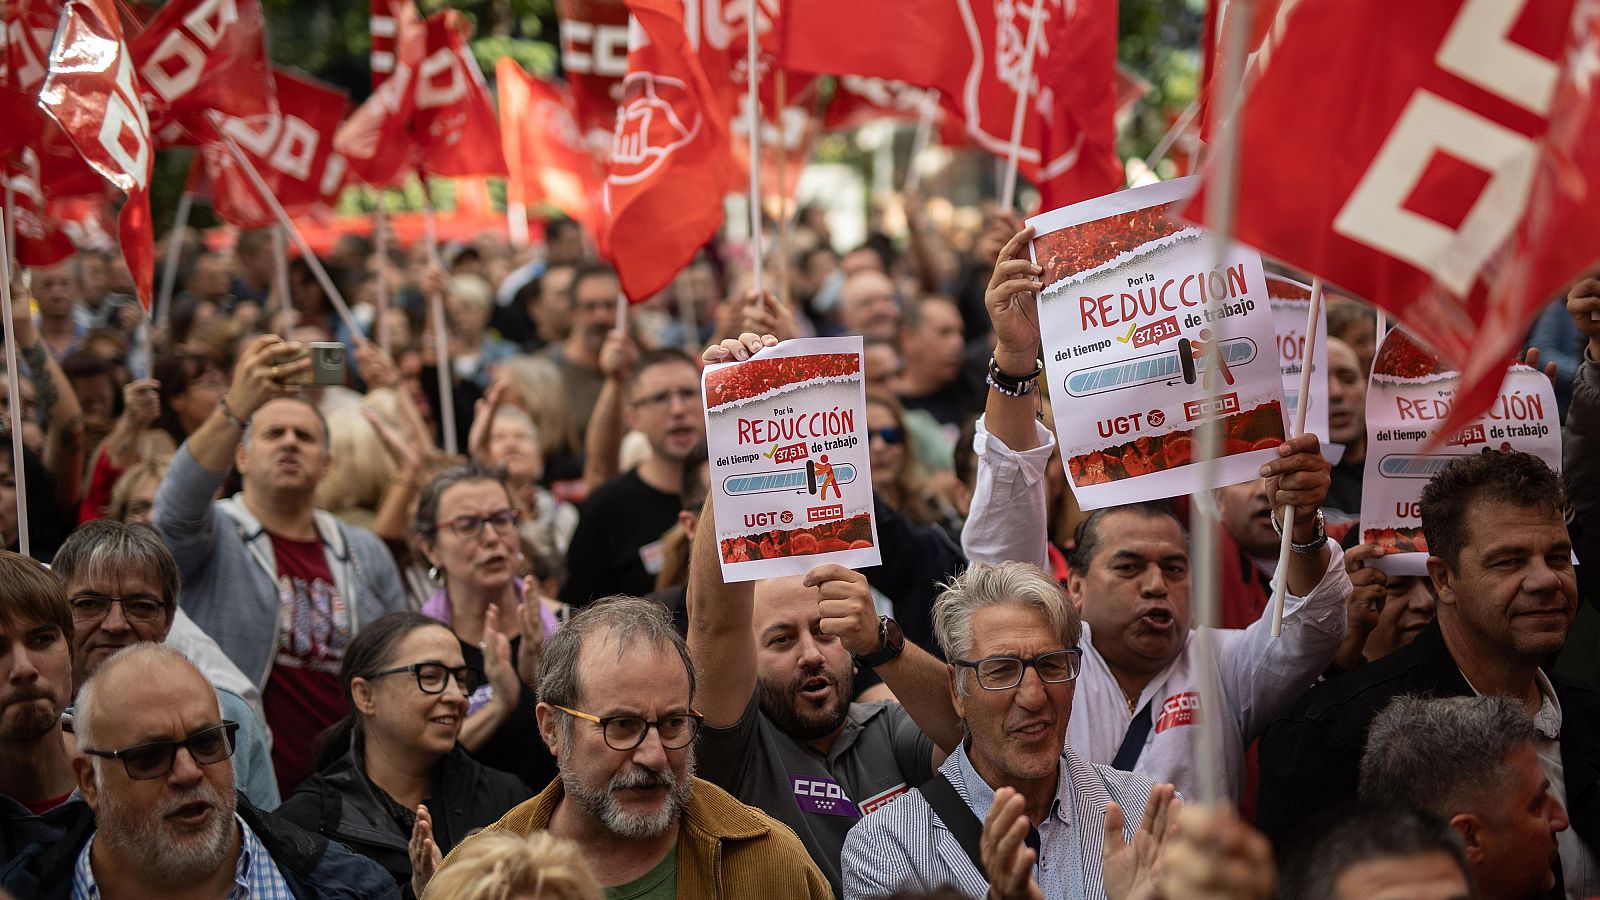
{"points": [[280, 268], [1221, 206], [14, 376], [752, 62], [441, 339], [920, 141], [169, 273], [779, 84], [1173, 135], [380, 242], [1008, 182], [1281, 582]]}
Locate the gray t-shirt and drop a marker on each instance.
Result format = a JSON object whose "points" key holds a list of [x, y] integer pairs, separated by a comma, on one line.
{"points": [[880, 755]]}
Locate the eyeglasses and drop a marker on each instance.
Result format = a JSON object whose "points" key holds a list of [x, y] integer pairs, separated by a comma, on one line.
{"points": [[627, 732], [1002, 673], [432, 676], [688, 396], [471, 527], [893, 435], [154, 760], [94, 607]]}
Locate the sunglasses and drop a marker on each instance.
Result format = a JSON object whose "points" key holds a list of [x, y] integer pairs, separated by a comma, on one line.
{"points": [[893, 435], [155, 759]]}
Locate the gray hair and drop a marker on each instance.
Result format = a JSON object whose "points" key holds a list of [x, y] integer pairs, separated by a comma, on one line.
{"points": [[1441, 754], [470, 472], [83, 712], [631, 621], [1341, 839], [108, 549], [322, 419], [990, 584]]}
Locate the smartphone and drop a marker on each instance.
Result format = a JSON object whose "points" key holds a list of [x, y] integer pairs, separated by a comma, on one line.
{"points": [[327, 364]]}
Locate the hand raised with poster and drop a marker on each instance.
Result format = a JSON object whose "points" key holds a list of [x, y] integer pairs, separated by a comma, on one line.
{"points": [[618, 354], [1365, 605], [1013, 303], [1299, 477], [845, 602], [766, 314], [21, 309], [1583, 304], [1531, 360], [737, 349]]}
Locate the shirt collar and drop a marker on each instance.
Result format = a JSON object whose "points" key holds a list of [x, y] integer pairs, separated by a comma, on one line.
{"points": [[254, 873], [980, 796], [1547, 721]]}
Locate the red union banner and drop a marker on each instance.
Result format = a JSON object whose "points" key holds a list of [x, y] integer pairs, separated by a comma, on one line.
{"points": [[40, 240], [544, 151], [1454, 185], [201, 55], [453, 121], [594, 57], [92, 92]]}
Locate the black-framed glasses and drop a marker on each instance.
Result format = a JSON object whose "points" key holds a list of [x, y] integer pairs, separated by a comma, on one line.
{"points": [[627, 732], [208, 746], [893, 435], [433, 676], [94, 607], [1002, 673], [472, 526]]}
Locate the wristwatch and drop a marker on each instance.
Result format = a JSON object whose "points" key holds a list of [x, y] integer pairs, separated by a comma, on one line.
{"points": [[1315, 543], [890, 644]]}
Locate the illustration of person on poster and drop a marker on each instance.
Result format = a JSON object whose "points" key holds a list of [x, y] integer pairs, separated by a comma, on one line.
{"points": [[1144, 337], [1408, 399], [786, 432]]}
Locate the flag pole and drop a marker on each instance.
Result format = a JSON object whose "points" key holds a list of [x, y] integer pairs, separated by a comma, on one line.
{"points": [[920, 141], [1222, 200], [1168, 140], [280, 269], [779, 83], [169, 273], [380, 243], [1313, 325], [1008, 182], [752, 62], [14, 375], [441, 340], [310, 256]]}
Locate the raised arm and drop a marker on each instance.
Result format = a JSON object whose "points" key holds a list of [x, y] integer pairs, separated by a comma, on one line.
{"points": [[63, 417], [258, 376], [720, 614], [602, 439]]}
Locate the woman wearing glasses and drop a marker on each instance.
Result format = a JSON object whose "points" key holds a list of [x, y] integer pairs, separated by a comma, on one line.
{"points": [[391, 776], [466, 527]]}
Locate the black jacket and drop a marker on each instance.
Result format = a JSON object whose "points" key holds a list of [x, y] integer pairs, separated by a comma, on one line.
{"points": [[1311, 757], [313, 867], [339, 803]]}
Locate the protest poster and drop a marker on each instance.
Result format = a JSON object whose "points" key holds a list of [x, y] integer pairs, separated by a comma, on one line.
{"points": [[1409, 399], [1291, 301], [1130, 346], [786, 433]]}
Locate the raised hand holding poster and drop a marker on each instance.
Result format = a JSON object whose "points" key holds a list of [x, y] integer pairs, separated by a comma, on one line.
{"points": [[786, 432], [1135, 361], [1408, 399]]}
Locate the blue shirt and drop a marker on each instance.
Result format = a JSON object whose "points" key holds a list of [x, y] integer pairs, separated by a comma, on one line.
{"points": [[255, 875], [1058, 868]]}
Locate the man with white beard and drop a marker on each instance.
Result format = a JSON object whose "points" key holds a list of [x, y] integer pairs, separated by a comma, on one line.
{"points": [[616, 694], [155, 765]]}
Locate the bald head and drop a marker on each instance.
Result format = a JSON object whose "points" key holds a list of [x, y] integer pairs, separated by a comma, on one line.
{"points": [[146, 681], [868, 306]]}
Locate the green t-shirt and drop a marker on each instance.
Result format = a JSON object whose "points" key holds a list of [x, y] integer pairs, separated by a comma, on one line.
{"points": [[660, 883]]}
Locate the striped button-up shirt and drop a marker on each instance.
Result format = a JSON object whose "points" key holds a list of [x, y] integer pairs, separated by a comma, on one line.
{"points": [[1057, 866], [255, 875]]}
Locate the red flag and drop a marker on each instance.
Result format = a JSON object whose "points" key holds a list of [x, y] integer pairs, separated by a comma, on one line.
{"points": [[374, 139], [669, 160], [292, 149], [30, 30], [92, 92], [544, 151], [1078, 132], [594, 58], [196, 56], [384, 24], [40, 241], [971, 51], [1450, 173], [454, 122], [859, 99]]}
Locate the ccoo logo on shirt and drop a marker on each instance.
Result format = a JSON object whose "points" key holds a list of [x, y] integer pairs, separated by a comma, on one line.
{"points": [[1180, 709]]}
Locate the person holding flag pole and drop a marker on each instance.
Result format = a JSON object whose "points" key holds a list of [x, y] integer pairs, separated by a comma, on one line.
{"points": [[13, 391]]}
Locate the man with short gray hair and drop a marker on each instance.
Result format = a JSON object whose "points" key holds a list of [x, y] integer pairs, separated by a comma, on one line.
{"points": [[1473, 762], [616, 707], [1011, 636]]}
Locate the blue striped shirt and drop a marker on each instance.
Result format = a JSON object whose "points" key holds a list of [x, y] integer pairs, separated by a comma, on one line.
{"points": [[255, 875], [1057, 867]]}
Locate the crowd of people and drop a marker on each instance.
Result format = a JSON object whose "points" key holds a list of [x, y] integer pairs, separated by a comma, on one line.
{"points": [[270, 639]]}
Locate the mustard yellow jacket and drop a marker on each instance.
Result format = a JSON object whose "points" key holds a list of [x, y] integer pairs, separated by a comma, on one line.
{"points": [[725, 849]]}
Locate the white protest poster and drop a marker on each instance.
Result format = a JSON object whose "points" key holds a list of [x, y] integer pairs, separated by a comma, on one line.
{"points": [[786, 432], [1291, 301], [1134, 360], [1408, 399]]}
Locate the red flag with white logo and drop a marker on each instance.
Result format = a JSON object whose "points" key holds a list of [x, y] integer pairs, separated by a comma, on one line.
{"points": [[1078, 129], [93, 93], [40, 240], [292, 149], [972, 51], [594, 58], [669, 158], [544, 151], [197, 56], [30, 29], [1450, 173], [385, 24], [453, 121], [375, 139]]}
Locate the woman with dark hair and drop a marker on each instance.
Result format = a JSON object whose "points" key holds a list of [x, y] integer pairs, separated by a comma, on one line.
{"points": [[190, 387], [392, 773], [466, 527]]}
